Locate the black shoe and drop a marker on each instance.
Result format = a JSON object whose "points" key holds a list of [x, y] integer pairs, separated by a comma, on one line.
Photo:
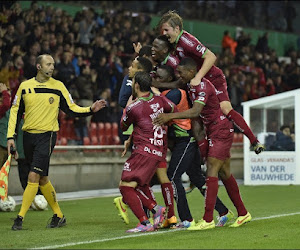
{"points": [[17, 223], [57, 222]]}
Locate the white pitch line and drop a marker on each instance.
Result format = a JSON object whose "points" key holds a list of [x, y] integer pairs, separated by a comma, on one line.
{"points": [[146, 234]]}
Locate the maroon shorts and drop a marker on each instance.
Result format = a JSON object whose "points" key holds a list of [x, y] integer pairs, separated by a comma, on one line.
{"points": [[220, 141], [139, 168], [221, 86], [162, 164]]}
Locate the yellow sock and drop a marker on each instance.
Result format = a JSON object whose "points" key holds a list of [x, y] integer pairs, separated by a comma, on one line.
{"points": [[28, 197], [50, 195]]}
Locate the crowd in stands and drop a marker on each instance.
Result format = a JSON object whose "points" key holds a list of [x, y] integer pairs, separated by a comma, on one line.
{"points": [[271, 15], [93, 52]]}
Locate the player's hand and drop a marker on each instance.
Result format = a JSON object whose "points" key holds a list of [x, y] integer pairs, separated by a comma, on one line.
{"points": [[11, 148], [137, 47], [2, 87], [126, 146], [97, 105], [161, 119], [195, 81]]}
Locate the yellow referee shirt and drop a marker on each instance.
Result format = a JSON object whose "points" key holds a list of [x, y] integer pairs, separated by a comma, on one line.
{"points": [[41, 103]]}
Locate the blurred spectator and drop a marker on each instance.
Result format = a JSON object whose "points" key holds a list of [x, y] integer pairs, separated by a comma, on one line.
{"points": [[85, 27], [262, 43], [284, 141], [228, 42], [65, 71]]}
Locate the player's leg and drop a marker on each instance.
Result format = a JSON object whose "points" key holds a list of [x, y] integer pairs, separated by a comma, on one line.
{"points": [[138, 171], [166, 188], [197, 176], [213, 167], [234, 194], [240, 123]]}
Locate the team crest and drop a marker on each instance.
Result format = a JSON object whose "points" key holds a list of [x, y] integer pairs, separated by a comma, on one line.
{"points": [[51, 100], [154, 107]]}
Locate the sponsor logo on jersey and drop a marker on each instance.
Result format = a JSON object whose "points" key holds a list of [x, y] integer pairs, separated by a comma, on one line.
{"points": [[127, 167], [187, 41], [172, 60], [200, 48], [218, 92], [154, 107], [51, 100], [133, 104]]}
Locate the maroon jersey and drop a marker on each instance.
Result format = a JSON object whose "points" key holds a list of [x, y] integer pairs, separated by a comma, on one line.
{"points": [[172, 61], [148, 140], [189, 46], [211, 113]]}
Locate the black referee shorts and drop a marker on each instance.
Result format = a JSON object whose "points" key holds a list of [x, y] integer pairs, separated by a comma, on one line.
{"points": [[38, 149]]}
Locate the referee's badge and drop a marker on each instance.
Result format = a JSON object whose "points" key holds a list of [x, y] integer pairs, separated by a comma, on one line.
{"points": [[51, 100]]}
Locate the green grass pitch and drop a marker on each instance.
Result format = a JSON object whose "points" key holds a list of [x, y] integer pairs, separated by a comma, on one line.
{"points": [[94, 224]]}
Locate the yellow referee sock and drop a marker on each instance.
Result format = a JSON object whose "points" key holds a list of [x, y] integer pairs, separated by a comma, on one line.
{"points": [[28, 197], [50, 195]]}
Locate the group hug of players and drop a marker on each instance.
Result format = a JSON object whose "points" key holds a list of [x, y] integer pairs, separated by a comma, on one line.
{"points": [[179, 100]]}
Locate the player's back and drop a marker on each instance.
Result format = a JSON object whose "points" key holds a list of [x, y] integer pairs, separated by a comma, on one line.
{"points": [[189, 46], [147, 138]]}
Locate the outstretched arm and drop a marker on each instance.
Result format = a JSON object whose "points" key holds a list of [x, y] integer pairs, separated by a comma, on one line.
{"points": [[97, 105], [209, 60], [190, 113]]}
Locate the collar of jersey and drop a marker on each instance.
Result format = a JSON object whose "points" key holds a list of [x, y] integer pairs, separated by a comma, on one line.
{"points": [[166, 59], [177, 39], [146, 98]]}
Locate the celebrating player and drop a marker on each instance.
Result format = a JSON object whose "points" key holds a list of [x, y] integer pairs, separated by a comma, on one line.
{"points": [[188, 46], [149, 150], [219, 131]]}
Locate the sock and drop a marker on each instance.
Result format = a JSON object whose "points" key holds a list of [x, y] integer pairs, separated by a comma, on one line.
{"points": [[240, 123], [147, 190], [210, 198], [233, 192], [50, 195], [28, 197], [219, 207], [131, 198], [146, 201], [168, 194]]}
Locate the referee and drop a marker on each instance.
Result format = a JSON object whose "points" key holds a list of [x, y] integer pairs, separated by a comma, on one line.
{"points": [[41, 98]]}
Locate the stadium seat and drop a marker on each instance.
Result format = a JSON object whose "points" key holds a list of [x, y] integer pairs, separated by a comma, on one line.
{"points": [[115, 129], [108, 128], [86, 141], [101, 131], [93, 129]]}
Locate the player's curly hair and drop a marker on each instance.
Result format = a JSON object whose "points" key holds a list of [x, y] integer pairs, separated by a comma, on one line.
{"points": [[172, 18]]}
